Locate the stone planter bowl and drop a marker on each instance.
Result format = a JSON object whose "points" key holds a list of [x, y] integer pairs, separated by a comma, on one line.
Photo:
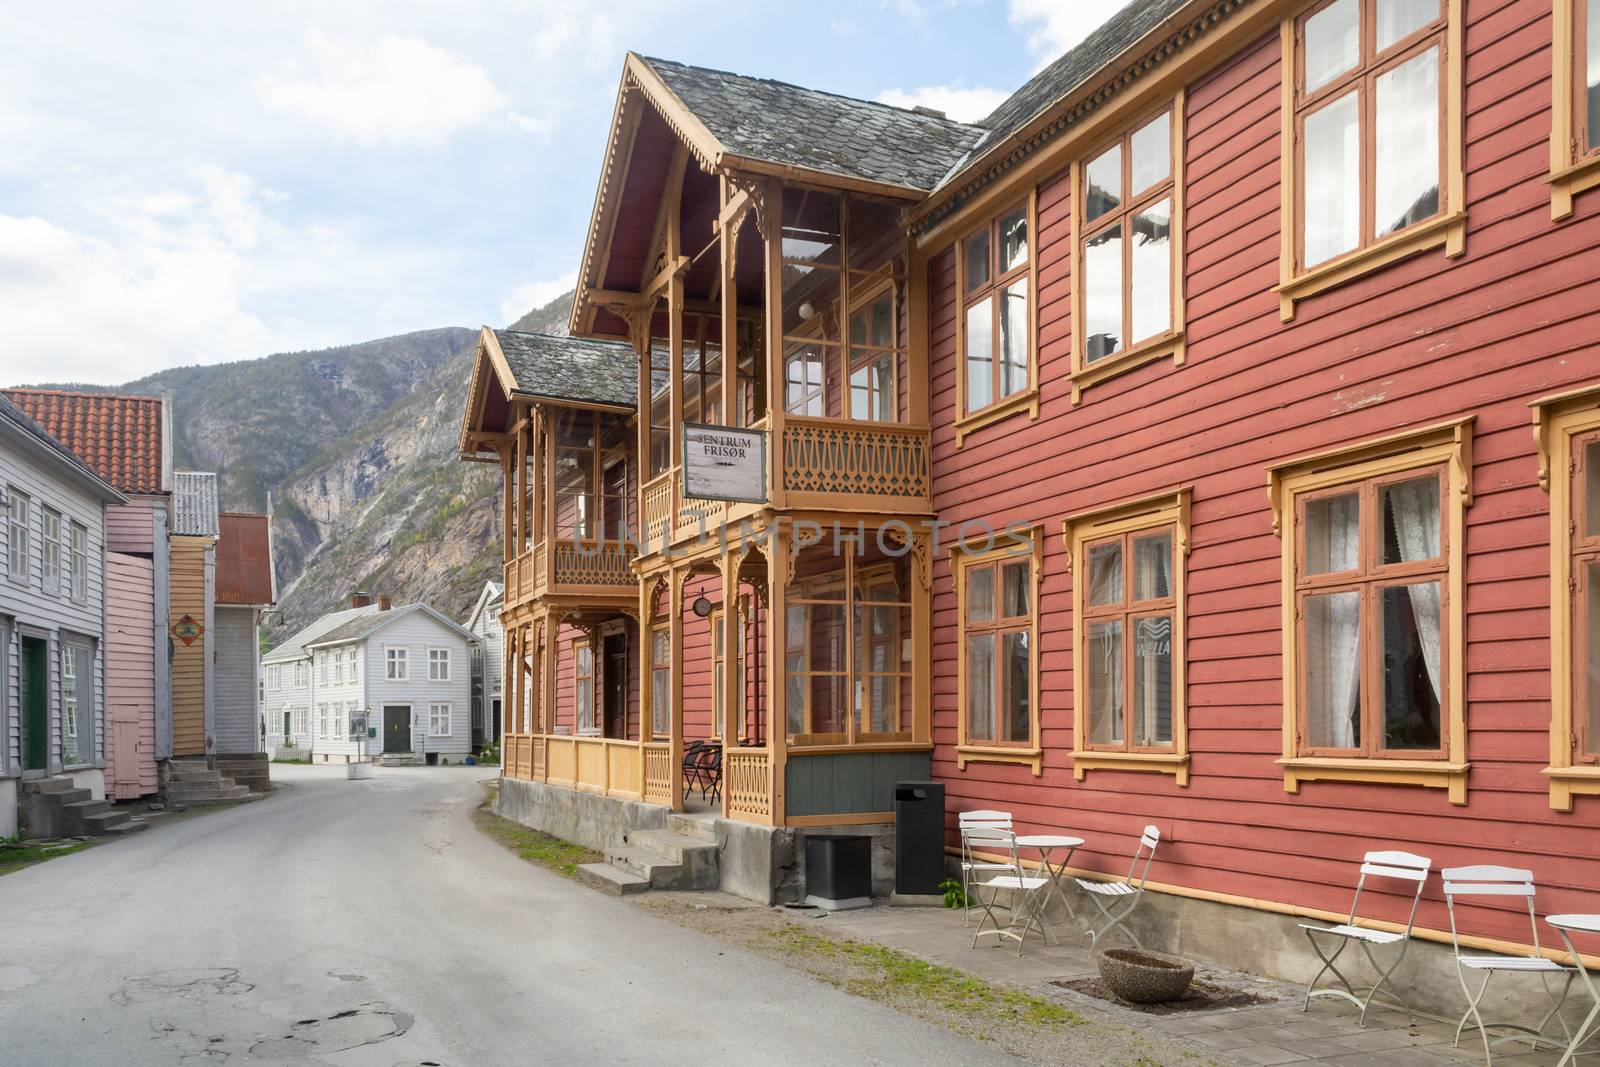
{"points": [[1142, 977]]}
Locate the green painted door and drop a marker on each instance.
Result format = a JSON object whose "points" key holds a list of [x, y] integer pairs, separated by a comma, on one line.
{"points": [[35, 700], [396, 729]]}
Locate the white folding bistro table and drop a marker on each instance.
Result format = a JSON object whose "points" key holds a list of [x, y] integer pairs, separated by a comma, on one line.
{"points": [[1047, 844], [1583, 924]]}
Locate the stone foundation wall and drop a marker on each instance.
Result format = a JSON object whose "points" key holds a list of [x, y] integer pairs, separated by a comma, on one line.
{"points": [[8, 806], [249, 770], [584, 819]]}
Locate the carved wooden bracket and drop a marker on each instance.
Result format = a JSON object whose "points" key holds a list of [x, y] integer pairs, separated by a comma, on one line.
{"points": [[756, 189]]}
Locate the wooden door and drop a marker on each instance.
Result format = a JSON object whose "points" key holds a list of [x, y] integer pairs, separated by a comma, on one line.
{"points": [[396, 728], [614, 691], [125, 753], [34, 694], [288, 727]]}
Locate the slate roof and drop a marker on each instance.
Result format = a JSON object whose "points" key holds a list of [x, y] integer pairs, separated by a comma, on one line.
{"points": [[1075, 67], [571, 368], [780, 123], [14, 418], [120, 437], [295, 646], [194, 503]]}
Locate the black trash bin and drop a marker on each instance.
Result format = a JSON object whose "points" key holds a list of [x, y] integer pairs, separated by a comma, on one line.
{"points": [[838, 869], [918, 838]]}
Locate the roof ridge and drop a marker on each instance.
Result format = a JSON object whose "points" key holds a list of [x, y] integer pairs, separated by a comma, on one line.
{"points": [[84, 393], [564, 337], [820, 92]]}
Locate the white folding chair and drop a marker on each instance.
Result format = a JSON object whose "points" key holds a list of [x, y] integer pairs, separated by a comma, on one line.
{"points": [[1026, 913], [1490, 881], [1116, 900], [971, 867], [1399, 866]]}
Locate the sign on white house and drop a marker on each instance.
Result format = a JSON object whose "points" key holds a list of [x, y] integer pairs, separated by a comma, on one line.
{"points": [[724, 463]]}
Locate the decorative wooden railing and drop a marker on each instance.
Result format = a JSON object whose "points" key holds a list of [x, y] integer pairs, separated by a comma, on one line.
{"points": [[830, 458], [540, 759], [747, 779], [597, 563], [696, 518], [657, 508], [658, 773]]}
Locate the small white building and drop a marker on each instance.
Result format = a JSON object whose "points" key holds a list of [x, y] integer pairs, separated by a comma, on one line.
{"points": [[378, 681], [488, 666]]}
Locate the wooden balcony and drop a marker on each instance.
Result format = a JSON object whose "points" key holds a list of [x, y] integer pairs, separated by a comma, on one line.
{"points": [[837, 463], [573, 569]]}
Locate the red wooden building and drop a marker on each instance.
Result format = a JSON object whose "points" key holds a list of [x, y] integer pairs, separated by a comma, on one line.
{"points": [[1271, 331]]}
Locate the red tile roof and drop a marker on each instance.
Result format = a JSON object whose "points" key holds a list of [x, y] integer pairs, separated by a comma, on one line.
{"points": [[119, 436]]}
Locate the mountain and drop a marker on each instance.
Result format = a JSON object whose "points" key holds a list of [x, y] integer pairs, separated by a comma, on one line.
{"points": [[356, 448]]}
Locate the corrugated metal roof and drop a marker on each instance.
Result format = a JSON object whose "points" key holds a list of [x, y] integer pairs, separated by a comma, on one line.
{"points": [[244, 559], [119, 436], [194, 503]]}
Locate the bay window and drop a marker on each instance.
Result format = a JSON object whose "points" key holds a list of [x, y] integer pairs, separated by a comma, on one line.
{"points": [[1129, 248], [1372, 539]]}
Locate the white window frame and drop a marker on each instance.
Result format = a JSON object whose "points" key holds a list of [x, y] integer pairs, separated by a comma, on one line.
{"points": [[435, 651], [433, 718], [322, 668], [69, 706], [18, 533], [396, 656], [50, 548], [79, 561]]}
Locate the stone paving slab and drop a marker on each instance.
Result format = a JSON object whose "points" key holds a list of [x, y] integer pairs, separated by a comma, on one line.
{"points": [[1265, 1035]]}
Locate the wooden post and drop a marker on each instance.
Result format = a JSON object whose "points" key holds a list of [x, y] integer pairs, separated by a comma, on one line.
{"points": [[547, 479], [774, 330], [519, 509], [511, 706], [921, 579], [508, 488], [547, 673], [777, 712], [732, 677], [917, 385], [675, 684], [731, 416]]}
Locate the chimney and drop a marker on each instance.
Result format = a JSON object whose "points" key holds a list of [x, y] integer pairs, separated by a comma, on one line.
{"points": [[360, 599], [384, 604]]}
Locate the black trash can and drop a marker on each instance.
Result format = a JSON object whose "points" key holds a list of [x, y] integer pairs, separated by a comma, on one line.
{"points": [[838, 869], [918, 838]]}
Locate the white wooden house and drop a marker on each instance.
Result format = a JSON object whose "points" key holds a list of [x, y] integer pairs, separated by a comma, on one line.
{"points": [[52, 624], [287, 684], [389, 683], [488, 665]]}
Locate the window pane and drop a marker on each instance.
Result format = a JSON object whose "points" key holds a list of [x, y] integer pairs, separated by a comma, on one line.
{"points": [[1399, 19], [1014, 338], [1333, 534], [1332, 42], [1152, 567], [980, 355], [882, 326], [1015, 650], [827, 637], [1408, 144], [977, 260], [1410, 520], [828, 706], [1591, 485], [1152, 271], [980, 594], [1589, 654], [1013, 240], [1152, 681], [1103, 665], [794, 694], [1592, 88], [1014, 595], [811, 227], [1152, 153], [1332, 180], [1411, 690], [1105, 573], [1333, 670], [1102, 285], [980, 687], [1104, 183]]}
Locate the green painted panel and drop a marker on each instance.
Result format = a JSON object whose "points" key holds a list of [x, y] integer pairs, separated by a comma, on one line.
{"points": [[848, 783]]}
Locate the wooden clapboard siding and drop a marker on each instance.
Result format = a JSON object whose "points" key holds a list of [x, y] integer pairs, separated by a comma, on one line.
{"points": [[189, 661], [130, 683], [1421, 341], [697, 661], [236, 722], [131, 527]]}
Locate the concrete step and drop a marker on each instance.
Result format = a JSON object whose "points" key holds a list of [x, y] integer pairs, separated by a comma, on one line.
{"points": [[667, 860], [49, 786], [104, 822], [695, 826], [132, 826], [612, 880]]}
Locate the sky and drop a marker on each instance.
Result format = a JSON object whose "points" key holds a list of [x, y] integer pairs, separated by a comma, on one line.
{"points": [[198, 182]]}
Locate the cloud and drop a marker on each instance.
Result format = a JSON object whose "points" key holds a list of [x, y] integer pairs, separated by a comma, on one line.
{"points": [[399, 91], [958, 101], [574, 35], [199, 272], [1053, 27], [534, 294]]}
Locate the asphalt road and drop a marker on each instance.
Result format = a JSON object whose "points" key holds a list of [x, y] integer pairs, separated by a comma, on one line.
{"points": [[369, 923]]}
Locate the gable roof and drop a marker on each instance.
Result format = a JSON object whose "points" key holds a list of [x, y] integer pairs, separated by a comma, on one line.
{"points": [[792, 126], [17, 427], [491, 594], [547, 367], [295, 646], [123, 438], [364, 626], [194, 503]]}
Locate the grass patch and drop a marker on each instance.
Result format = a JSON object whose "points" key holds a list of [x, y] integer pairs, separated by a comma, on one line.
{"points": [[549, 852], [16, 857], [884, 974]]}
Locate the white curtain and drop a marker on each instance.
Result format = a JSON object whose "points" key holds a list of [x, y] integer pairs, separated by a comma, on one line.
{"points": [[1333, 641], [1413, 508]]}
